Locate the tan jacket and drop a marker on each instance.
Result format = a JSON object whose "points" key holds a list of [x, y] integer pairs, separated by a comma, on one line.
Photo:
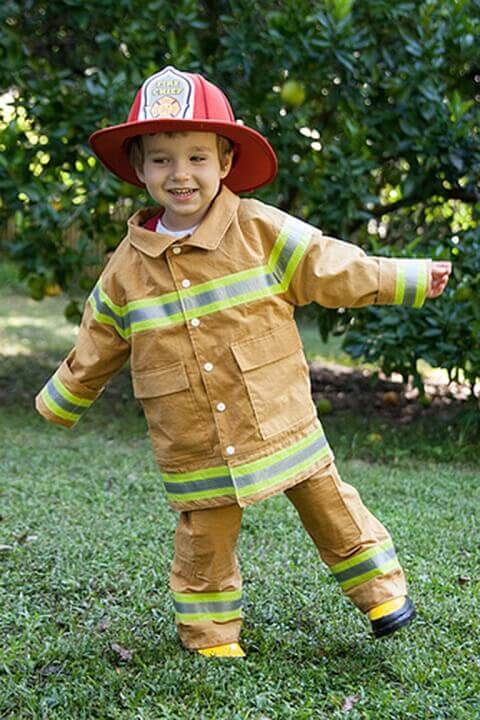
{"points": [[216, 357]]}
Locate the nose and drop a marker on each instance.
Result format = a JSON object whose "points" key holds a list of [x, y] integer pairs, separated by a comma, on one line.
{"points": [[180, 170]]}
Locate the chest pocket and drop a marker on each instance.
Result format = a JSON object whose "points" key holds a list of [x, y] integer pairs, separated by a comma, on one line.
{"points": [[276, 376], [174, 419]]}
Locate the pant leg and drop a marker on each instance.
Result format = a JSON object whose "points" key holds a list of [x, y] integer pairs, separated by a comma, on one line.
{"points": [[351, 541], [205, 577]]}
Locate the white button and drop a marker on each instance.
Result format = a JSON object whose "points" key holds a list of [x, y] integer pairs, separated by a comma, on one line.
{"points": [[221, 407], [230, 449], [186, 283], [195, 322], [208, 367], [176, 250]]}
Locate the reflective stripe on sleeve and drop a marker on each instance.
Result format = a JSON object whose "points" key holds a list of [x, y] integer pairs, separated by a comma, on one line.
{"points": [[378, 560], [198, 607], [411, 282], [106, 312], [61, 402]]}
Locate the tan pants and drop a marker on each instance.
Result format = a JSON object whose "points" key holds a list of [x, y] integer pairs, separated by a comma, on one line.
{"points": [[205, 578]]}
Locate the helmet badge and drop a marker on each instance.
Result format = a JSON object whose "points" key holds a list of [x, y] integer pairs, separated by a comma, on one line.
{"points": [[167, 94]]}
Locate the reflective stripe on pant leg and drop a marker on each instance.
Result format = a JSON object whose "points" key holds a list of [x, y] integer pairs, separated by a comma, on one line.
{"points": [[378, 560], [351, 541], [195, 607]]}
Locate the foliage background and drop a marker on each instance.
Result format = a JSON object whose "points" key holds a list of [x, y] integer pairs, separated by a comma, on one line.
{"points": [[383, 151]]}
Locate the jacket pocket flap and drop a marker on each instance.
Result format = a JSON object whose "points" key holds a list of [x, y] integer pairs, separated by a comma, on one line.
{"points": [[162, 381], [274, 345]]}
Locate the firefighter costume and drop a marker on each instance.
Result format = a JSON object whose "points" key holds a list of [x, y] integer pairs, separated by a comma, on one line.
{"points": [[207, 321]]}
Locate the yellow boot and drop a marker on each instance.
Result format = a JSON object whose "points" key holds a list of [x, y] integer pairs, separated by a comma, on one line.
{"points": [[228, 650], [388, 617]]}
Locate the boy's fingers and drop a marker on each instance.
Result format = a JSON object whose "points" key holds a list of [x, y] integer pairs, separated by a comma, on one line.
{"points": [[442, 267], [441, 271]]}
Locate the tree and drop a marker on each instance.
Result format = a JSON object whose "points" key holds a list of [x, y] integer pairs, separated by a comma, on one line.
{"points": [[377, 137]]}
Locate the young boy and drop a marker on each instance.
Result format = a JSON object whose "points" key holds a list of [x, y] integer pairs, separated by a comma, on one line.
{"points": [[200, 295]]}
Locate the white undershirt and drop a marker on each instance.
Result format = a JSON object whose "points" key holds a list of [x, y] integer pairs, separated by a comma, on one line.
{"points": [[175, 233]]}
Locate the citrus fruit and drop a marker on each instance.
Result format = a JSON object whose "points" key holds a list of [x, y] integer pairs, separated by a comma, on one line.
{"points": [[293, 93], [324, 406]]}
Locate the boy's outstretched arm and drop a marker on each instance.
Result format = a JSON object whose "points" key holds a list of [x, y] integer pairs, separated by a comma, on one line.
{"points": [[99, 352], [335, 273]]}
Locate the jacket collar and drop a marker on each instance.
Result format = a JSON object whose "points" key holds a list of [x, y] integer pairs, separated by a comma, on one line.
{"points": [[208, 235]]}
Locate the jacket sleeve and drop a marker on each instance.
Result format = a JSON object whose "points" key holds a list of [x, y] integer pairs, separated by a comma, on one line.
{"points": [[101, 348], [335, 273]]}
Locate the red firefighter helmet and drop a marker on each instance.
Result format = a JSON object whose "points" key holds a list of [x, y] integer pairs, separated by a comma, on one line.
{"points": [[172, 100]]}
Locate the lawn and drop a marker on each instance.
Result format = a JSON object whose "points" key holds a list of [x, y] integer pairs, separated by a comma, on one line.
{"points": [[87, 547]]}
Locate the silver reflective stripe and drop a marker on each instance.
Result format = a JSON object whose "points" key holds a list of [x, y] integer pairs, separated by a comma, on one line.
{"points": [[155, 312], [101, 307], [61, 401], [207, 607], [363, 567], [411, 281], [226, 293], [267, 473], [222, 481], [296, 231]]}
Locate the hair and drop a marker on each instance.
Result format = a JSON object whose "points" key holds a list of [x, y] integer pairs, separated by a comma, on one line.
{"points": [[136, 153]]}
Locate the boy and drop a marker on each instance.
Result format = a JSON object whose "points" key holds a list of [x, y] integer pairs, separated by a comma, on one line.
{"points": [[200, 295]]}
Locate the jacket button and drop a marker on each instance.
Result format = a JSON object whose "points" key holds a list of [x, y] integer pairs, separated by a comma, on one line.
{"points": [[176, 250], [195, 322], [186, 283], [230, 449], [221, 407], [208, 367]]}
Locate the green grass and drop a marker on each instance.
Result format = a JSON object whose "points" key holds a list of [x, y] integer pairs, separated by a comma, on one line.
{"points": [[91, 540]]}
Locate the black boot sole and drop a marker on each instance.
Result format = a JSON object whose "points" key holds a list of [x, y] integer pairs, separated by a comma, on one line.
{"points": [[395, 620]]}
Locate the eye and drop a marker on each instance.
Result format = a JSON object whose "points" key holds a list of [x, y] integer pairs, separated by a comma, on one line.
{"points": [[160, 160], [198, 157]]}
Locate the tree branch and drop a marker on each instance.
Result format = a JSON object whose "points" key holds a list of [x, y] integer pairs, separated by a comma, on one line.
{"points": [[457, 193]]}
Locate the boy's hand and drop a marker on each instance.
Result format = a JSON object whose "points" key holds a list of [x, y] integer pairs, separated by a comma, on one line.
{"points": [[439, 277]]}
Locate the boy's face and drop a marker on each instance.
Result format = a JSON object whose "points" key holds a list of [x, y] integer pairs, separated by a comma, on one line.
{"points": [[187, 162]]}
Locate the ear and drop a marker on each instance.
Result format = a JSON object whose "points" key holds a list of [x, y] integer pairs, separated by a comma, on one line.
{"points": [[228, 167], [139, 173]]}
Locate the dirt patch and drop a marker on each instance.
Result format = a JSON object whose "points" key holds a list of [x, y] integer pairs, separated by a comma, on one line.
{"points": [[358, 391]]}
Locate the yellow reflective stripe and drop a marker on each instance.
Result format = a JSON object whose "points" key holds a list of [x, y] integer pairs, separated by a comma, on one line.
{"points": [[193, 475], [230, 615], [107, 320], [359, 579], [361, 557], [201, 494], [68, 395], [422, 285], [399, 284], [56, 409], [117, 309]]}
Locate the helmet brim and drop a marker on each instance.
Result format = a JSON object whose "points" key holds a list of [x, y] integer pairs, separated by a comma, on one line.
{"points": [[255, 163]]}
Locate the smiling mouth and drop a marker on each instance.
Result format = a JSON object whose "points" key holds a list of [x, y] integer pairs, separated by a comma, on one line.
{"points": [[183, 193]]}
